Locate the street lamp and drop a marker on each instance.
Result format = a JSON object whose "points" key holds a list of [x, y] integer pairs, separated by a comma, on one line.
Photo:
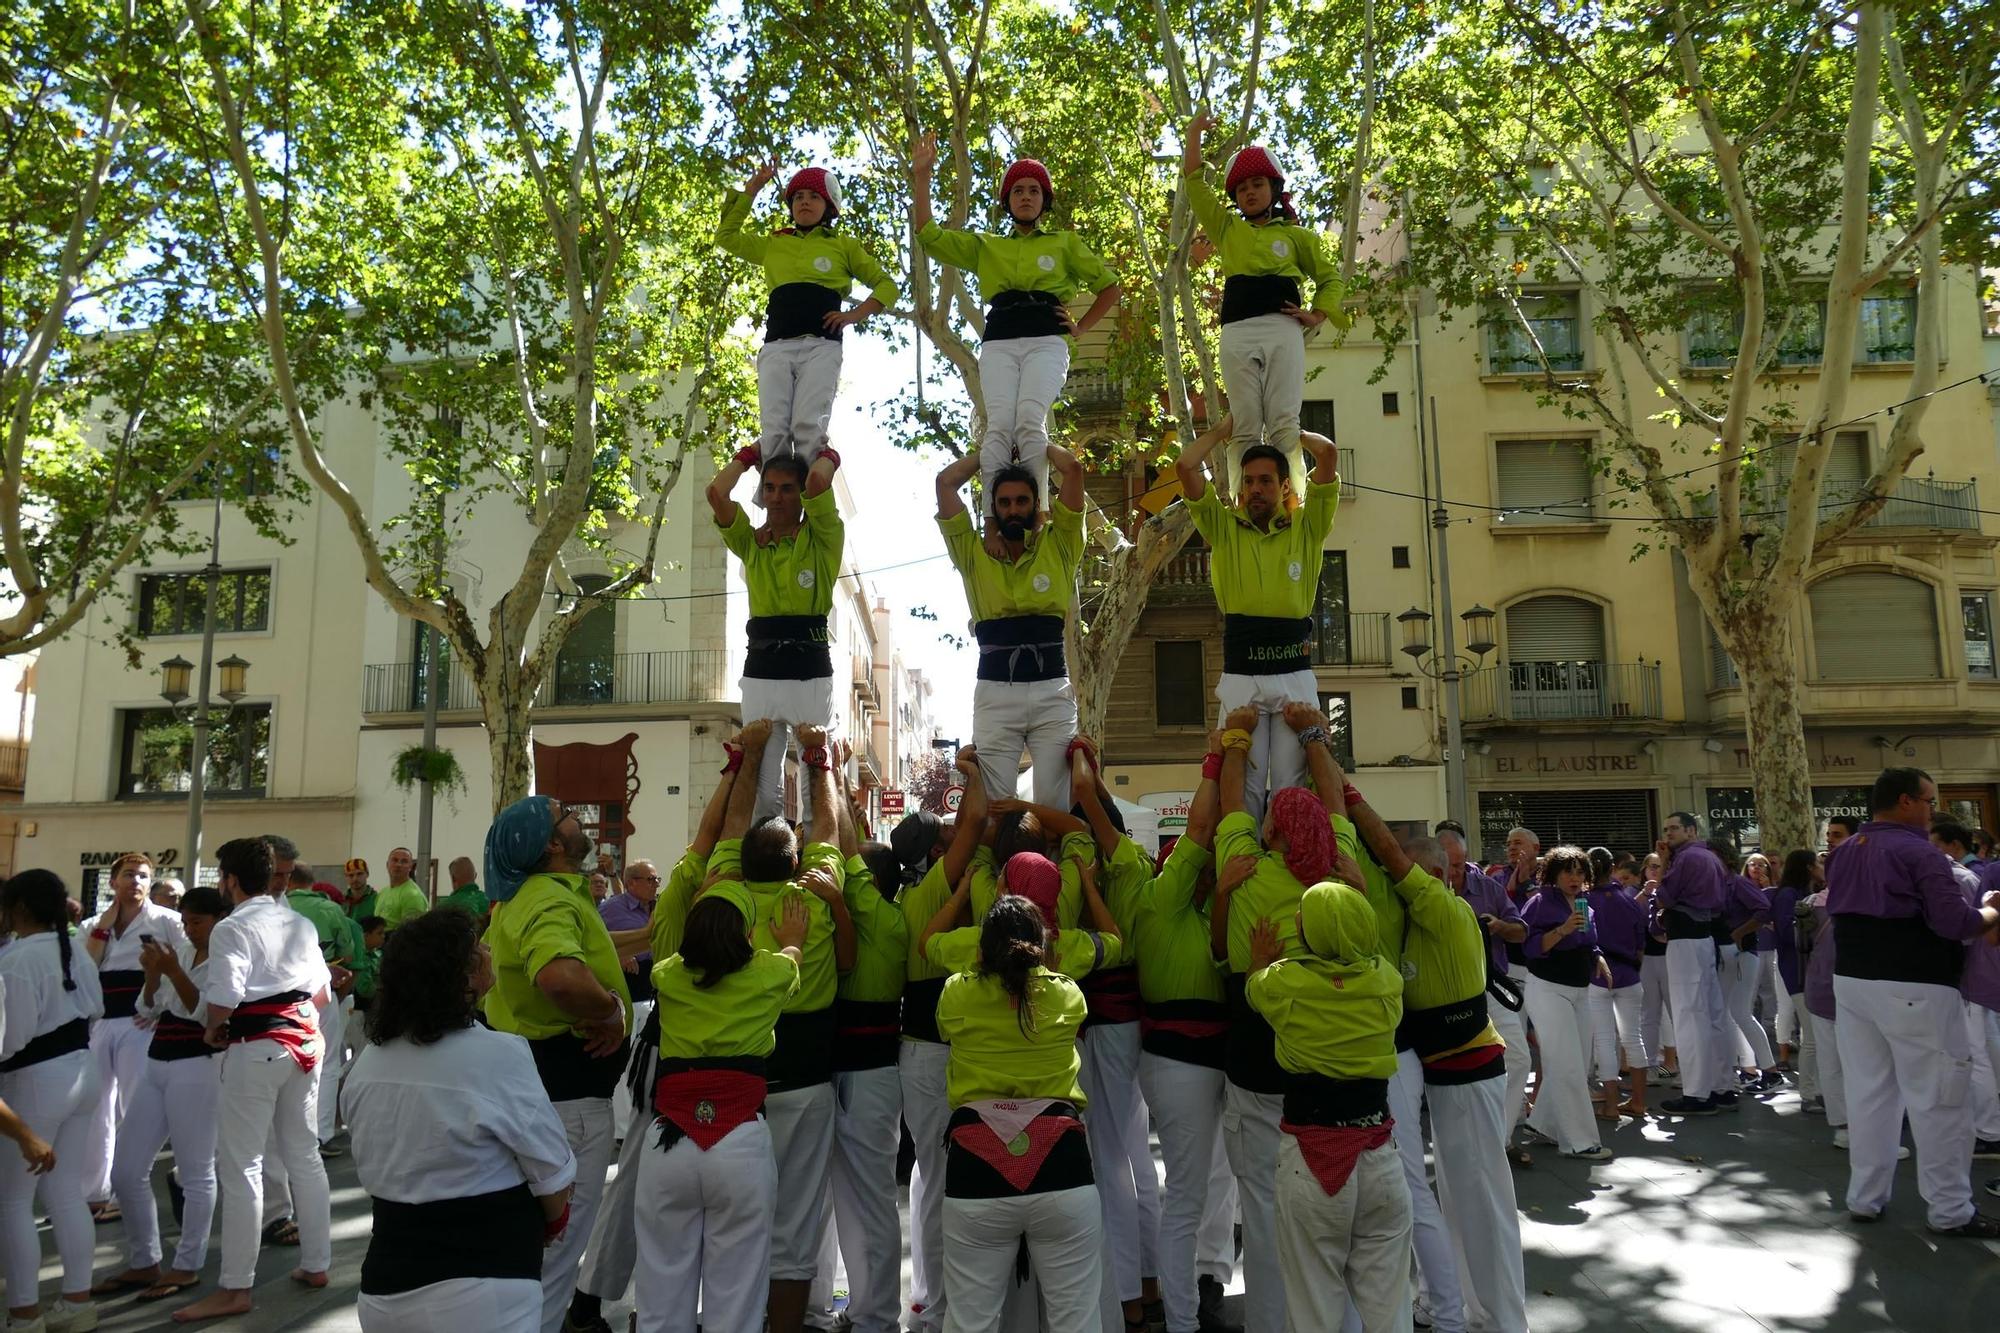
{"points": [[1449, 666]]}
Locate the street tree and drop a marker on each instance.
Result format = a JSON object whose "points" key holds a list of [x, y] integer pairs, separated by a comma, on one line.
{"points": [[1782, 186]]}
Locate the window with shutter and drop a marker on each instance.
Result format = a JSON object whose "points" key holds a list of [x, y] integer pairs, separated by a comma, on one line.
{"points": [[1721, 670], [1874, 625], [1555, 629], [1548, 480]]}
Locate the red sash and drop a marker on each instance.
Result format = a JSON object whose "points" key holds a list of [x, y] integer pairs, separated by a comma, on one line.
{"points": [[1331, 1152], [1199, 1029], [1018, 1159], [286, 1019], [708, 1104]]}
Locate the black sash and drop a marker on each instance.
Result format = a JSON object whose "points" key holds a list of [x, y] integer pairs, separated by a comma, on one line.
{"points": [[1447, 1027], [1682, 925], [1248, 295], [71, 1036], [412, 1245], [1265, 645], [867, 1033], [1564, 967], [177, 1038], [788, 648], [568, 1074], [920, 1002], [1066, 1167], [1024, 315], [798, 310], [1902, 948], [1019, 649], [121, 987], [1252, 1060], [804, 1055], [1313, 1099]]}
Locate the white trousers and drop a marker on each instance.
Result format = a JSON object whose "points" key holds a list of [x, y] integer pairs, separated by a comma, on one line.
{"points": [[175, 1103], [1346, 1249], [1197, 1214], [1617, 1028], [1435, 1259], [456, 1305], [801, 1124], [796, 379], [1832, 1078], [868, 1118], [268, 1100], [1264, 372], [118, 1048], [1656, 1023], [921, 1067], [1903, 1050], [1121, 1156], [1700, 1016], [587, 1124], [787, 703], [1065, 1231], [1512, 1026], [1561, 1015], [1985, 1097], [704, 1228], [613, 1249], [1276, 759], [1020, 380], [1808, 1053], [1475, 1190], [332, 1027], [1740, 974], [1038, 715], [1250, 1136], [58, 1100], [1784, 1010]]}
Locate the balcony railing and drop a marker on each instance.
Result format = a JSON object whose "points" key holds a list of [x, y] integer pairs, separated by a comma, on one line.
{"points": [[1917, 502], [1563, 692], [1094, 392], [687, 676], [13, 765], [1356, 639]]}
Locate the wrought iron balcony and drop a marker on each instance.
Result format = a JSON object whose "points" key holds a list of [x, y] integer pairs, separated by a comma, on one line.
{"points": [[1563, 692], [1353, 639], [623, 679], [1917, 502]]}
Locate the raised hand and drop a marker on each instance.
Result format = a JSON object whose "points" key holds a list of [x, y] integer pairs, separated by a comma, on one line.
{"points": [[1234, 871], [1264, 947], [923, 154], [790, 928], [1241, 719], [760, 177], [967, 761], [1346, 870], [1201, 124], [1299, 716], [820, 884], [810, 735], [755, 733]]}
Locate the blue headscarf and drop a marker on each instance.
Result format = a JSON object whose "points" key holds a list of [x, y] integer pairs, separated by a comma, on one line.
{"points": [[515, 844]]}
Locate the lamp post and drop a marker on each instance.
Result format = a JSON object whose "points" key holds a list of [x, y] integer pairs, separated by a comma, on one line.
{"points": [[1449, 667], [174, 674]]}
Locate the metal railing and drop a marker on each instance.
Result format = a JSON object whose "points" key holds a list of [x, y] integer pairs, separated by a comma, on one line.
{"points": [[684, 676], [1562, 692], [1093, 391], [13, 765], [1358, 638], [1917, 502]]}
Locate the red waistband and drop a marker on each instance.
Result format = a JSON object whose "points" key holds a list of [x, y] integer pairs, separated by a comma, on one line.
{"points": [[1020, 1161], [708, 1104], [1332, 1151], [292, 1023], [1200, 1029]]}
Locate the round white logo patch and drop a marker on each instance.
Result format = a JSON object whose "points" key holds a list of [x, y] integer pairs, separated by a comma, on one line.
{"points": [[1294, 571], [823, 264], [1046, 263], [1041, 582], [1280, 246], [806, 577]]}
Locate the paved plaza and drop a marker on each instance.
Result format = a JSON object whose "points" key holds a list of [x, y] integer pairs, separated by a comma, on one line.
{"points": [[1708, 1226]]}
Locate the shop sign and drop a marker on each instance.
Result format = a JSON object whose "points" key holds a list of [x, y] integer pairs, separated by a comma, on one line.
{"points": [[1732, 811], [1173, 807], [1569, 763]]}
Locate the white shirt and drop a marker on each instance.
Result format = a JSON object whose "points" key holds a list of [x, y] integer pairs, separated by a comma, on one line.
{"points": [[31, 980], [262, 948], [167, 1000], [461, 1117], [121, 951]]}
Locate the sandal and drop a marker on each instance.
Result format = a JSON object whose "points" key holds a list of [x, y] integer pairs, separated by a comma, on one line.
{"points": [[105, 1212], [160, 1291], [122, 1283], [283, 1231], [1520, 1156]]}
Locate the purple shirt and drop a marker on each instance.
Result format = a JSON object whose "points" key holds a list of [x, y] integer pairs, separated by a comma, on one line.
{"points": [[1544, 912], [1819, 964], [1981, 983], [1619, 923], [1695, 882], [622, 911], [1745, 901], [1893, 872], [1785, 937], [1489, 898]]}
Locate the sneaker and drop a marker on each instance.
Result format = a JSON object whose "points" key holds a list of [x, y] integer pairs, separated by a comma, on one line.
{"points": [[1813, 1106], [1420, 1313], [1770, 1081], [1856, 1215], [1980, 1227], [70, 1317], [1727, 1101], [1208, 1308], [1688, 1106], [1993, 1187], [1986, 1150], [593, 1324], [1536, 1136], [35, 1325], [1596, 1153], [1665, 1077], [1840, 1138]]}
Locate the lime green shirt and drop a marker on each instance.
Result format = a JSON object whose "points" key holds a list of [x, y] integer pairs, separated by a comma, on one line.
{"points": [[1021, 261], [1069, 899], [1170, 934], [1376, 888], [919, 903], [1124, 879], [1078, 953], [367, 966], [1278, 248], [1444, 953], [1267, 573], [820, 255], [1042, 582], [819, 973], [1332, 1019], [339, 937], [672, 903], [467, 898], [793, 576], [1271, 891], [551, 917], [881, 940], [738, 1015], [992, 1058], [399, 902]]}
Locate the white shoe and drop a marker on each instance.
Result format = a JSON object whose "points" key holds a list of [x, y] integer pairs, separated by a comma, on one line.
{"points": [[35, 1325], [69, 1317]]}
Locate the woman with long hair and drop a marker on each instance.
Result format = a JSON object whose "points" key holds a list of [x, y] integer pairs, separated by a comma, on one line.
{"points": [[708, 1189], [1018, 1163], [1562, 958], [49, 1080], [455, 1141], [175, 1102], [1617, 1000]]}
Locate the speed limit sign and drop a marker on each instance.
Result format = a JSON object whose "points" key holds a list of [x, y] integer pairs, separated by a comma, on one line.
{"points": [[953, 797]]}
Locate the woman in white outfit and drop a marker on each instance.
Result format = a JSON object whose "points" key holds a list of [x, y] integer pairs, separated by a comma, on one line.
{"points": [[456, 1143], [48, 1078], [1562, 957], [175, 1102]]}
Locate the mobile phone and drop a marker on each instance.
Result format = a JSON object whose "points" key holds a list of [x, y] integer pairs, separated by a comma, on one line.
{"points": [[145, 939]]}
